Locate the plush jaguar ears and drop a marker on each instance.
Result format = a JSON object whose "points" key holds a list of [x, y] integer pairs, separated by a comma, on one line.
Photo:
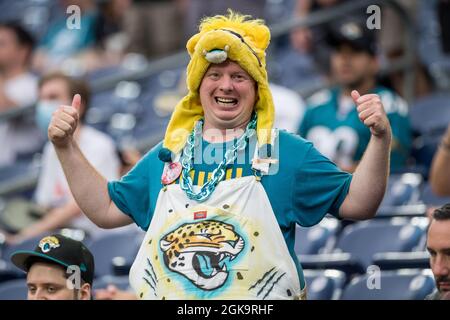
{"points": [[234, 37], [254, 32]]}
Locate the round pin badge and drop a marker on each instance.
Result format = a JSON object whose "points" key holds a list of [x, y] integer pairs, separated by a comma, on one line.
{"points": [[171, 172]]}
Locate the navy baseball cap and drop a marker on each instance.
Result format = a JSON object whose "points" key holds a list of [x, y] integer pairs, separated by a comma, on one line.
{"points": [[354, 33], [60, 250]]}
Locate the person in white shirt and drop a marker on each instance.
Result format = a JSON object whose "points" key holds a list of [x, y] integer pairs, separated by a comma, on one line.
{"points": [[52, 191]]}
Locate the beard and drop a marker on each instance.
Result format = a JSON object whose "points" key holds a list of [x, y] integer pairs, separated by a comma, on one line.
{"points": [[440, 280]]}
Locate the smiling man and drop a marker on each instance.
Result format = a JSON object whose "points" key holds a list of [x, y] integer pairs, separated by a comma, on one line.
{"points": [[438, 245], [220, 197]]}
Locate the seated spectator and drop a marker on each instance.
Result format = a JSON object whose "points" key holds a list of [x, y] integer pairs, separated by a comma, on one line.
{"points": [[440, 168], [52, 191], [48, 274], [438, 245], [18, 88], [331, 120]]}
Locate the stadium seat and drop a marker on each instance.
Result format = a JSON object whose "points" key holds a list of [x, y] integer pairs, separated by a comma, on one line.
{"points": [[402, 196], [324, 284], [429, 119], [430, 114], [391, 285], [430, 199], [402, 189], [114, 246], [359, 242], [18, 176], [402, 260], [362, 240], [13, 290], [316, 239]]}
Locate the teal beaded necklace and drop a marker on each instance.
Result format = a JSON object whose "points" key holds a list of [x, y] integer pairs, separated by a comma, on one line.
{"points": [[187, 160]]}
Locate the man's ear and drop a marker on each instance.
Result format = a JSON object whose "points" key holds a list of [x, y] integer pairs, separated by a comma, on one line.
{"points": [[85, 292]]}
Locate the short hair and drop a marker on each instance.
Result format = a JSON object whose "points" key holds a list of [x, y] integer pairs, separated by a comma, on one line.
{"points": [[442, 213], [24, 38], [74, 86]]}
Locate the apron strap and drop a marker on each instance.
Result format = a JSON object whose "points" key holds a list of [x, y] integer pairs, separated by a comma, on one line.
{"points": [[261, 166]]}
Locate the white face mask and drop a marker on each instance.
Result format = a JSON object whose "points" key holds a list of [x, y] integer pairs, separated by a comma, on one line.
{"points": [[44, 112]]}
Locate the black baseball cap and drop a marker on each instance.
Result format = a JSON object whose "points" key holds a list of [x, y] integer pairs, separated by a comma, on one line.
{"points": [[60, 250], [354, 33]]}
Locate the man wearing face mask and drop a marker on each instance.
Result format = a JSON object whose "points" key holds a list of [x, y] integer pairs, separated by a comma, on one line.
{"points": [[52, 191]]}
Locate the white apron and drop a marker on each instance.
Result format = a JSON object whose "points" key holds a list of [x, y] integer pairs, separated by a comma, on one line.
{"points": [[228, 247]]}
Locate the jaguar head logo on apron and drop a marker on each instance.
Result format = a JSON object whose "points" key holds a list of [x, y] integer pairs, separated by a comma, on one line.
{"points": [[201, 252]]}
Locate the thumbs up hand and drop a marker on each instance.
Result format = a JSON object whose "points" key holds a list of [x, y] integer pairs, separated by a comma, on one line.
{"points": [[371, 113], [64, 122]]}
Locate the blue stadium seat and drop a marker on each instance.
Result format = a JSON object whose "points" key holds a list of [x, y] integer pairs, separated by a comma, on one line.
{"points": [[364, 239], [114, 246], [324, 284], [18, 176], [317, 238], [402, 189], [13, 290], [429, 116], [393, 285], [429, 198], [402, 196], [358, 243], [402, 260]]}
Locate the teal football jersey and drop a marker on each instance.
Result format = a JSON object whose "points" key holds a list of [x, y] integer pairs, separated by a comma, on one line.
{"points": [[342, 137]]}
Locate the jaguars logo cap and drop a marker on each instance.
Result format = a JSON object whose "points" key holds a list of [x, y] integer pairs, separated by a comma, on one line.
{"points": [[60, 250]]}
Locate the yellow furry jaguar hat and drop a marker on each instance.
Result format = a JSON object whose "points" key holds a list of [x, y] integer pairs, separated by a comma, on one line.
{"points": [[238, 38]]}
